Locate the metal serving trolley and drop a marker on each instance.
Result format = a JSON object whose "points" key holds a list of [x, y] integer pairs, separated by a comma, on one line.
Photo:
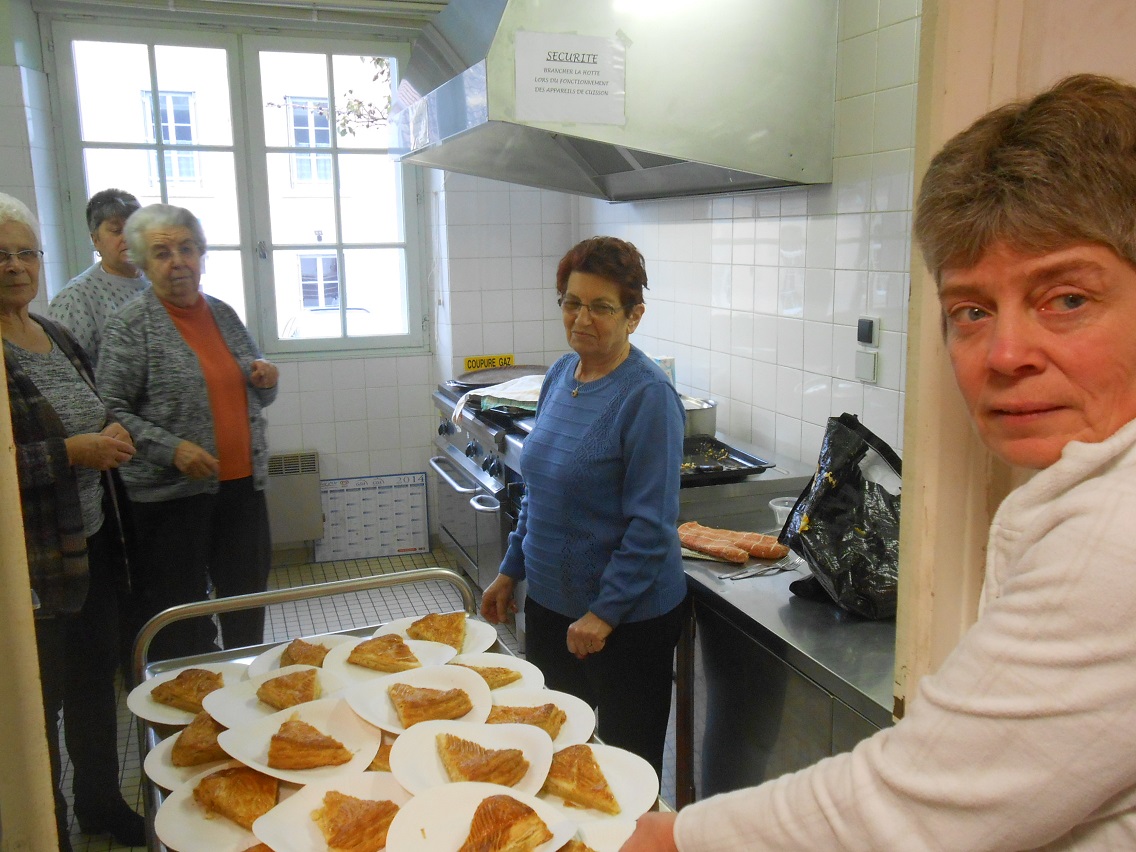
{"points": [[150, 734]]}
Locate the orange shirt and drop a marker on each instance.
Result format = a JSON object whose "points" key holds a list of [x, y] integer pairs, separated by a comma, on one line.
{"points": [[225, 382]]}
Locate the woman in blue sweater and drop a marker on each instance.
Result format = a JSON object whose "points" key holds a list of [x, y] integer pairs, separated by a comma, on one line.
{"points": [[597, 536]]}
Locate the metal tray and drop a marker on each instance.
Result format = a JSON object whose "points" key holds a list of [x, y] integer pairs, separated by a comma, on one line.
{"points": [[708, 461]]}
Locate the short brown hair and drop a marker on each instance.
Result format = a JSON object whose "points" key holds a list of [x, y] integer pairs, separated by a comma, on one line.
{"points": [[610, 258], [1038, 174]]}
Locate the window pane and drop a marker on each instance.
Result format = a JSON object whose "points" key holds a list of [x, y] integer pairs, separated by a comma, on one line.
{"points": [[222, 276], [376, 299], [212, 197], [110, 109], [370, 198], [362, 100], [128, 170], [200, 73], [302, 212], [285, 76]]}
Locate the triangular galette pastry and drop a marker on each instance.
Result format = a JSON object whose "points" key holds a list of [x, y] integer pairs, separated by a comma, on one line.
{"points": [[386, 653], [575, 845], [303, 653], [578, 780], [548, 717], [240, 793], [381, 762], [187, 689], [502, 824], [197, 742], [349, 824], [416, 704], [290, 689], [495, 676], [469, 761], [449, 629], [298, 745]]}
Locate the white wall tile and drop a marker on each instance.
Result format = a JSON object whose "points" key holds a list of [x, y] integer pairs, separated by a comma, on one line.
{"points": [[855, 118], [896, 56], [894, 123], [857, 17], [856, 66]]}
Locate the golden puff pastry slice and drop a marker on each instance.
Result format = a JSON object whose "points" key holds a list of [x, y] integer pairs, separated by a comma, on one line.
{"points": [[197, 742], [386, 653], [381, 762], [239, 793], [349, 824], [303, 653], [495, 676], [298, 745], [575, 845], [548, 717], [186, 691], [449, 629], [469, 761], [415, 704], [503, 824], [576, 777], [288, 690]]}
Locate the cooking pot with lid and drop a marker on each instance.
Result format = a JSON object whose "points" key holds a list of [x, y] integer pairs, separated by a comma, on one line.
{"points": [[701, 415]]}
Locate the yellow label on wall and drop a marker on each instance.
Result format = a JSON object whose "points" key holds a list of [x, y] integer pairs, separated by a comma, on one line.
{"points": [[488, 362]]}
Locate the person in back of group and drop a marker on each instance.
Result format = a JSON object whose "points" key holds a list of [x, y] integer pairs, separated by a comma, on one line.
{"points": [[66, 446], [597, 536], [113, 280], [1025, 737], [182, 372]]}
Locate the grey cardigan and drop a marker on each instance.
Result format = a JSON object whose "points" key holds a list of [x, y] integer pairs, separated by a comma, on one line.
{"points": [[152, 381]]}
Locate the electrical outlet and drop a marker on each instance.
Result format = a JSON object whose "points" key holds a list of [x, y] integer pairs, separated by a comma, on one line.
{"points": [[866, 366]]}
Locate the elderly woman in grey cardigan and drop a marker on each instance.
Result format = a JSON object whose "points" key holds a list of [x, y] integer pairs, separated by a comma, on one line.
{"points": [[182, 373]]}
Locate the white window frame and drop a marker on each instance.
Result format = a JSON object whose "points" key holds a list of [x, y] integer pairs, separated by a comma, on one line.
{"points": [[259, 285]]}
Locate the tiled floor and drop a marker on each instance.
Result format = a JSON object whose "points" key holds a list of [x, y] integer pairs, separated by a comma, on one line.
{"points": [[321, 615]]}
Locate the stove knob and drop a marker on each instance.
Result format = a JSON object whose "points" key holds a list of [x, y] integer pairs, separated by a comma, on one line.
{"points": [[487, 464], [496, 468], [442, 430], [472, 450]]}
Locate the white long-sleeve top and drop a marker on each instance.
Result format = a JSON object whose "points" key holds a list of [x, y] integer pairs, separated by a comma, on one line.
{"points": [[1026, 736]]}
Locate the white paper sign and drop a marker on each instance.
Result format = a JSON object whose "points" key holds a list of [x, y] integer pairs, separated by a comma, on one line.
{"points": [[570, 78]]}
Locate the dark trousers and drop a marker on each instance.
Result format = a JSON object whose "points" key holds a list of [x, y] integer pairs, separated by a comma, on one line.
{"points": [[78, 656], [185, 543], [628, 682]]}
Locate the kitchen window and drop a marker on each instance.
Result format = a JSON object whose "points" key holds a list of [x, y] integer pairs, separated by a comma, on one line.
{"points": [[280, 146]]}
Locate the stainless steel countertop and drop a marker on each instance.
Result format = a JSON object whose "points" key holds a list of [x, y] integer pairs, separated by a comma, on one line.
{"points": [[851, 657]]}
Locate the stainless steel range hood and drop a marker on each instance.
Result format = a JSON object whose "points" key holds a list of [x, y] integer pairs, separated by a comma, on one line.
{"points": [[676, 97]]}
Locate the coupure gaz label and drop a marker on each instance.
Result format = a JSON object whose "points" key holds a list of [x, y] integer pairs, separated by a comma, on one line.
{"points": [[488, 362]]}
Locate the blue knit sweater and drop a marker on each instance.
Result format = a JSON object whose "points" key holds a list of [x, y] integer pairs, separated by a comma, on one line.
{"points": [[598, 524]]}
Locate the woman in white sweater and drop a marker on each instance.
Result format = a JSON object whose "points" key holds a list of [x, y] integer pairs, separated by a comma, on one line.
{"points": [[1026, 736]]}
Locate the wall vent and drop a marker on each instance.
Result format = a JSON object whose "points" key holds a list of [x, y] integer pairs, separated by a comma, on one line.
{"points": [[295, 510]]}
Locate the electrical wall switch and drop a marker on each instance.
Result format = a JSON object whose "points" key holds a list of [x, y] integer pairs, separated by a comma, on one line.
{"points": [[866, 366], [868, 331]]}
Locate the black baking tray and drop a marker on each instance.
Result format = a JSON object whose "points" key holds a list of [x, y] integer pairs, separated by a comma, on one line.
{"points": [[708, 461]]}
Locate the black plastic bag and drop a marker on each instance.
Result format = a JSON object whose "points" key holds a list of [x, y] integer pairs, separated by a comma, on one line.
{"points": [[845, 525]]}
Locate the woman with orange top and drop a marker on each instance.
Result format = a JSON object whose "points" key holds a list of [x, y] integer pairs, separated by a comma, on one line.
{"points": [[182, 373]]}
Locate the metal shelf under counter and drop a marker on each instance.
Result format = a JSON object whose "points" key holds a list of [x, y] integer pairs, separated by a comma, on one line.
{"points": [[769, 682]]}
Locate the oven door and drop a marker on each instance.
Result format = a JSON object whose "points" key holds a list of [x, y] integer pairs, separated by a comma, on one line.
{"points": [[469, 518]]}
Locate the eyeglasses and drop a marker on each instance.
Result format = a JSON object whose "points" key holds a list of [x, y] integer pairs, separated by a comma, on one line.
{"points": [[572, 308], [28, 257]]}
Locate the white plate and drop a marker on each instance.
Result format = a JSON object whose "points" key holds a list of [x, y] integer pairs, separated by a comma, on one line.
{"points": [[160, 769], [438, 820], [145, 707], [270, 659], [632, 780], [331, 716], [479, 635], [289, 826], [606, 836], [577, 728], [182, 824], [428, 654], [370, 699], [416, 764], [238, 705], [531, 676]]}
